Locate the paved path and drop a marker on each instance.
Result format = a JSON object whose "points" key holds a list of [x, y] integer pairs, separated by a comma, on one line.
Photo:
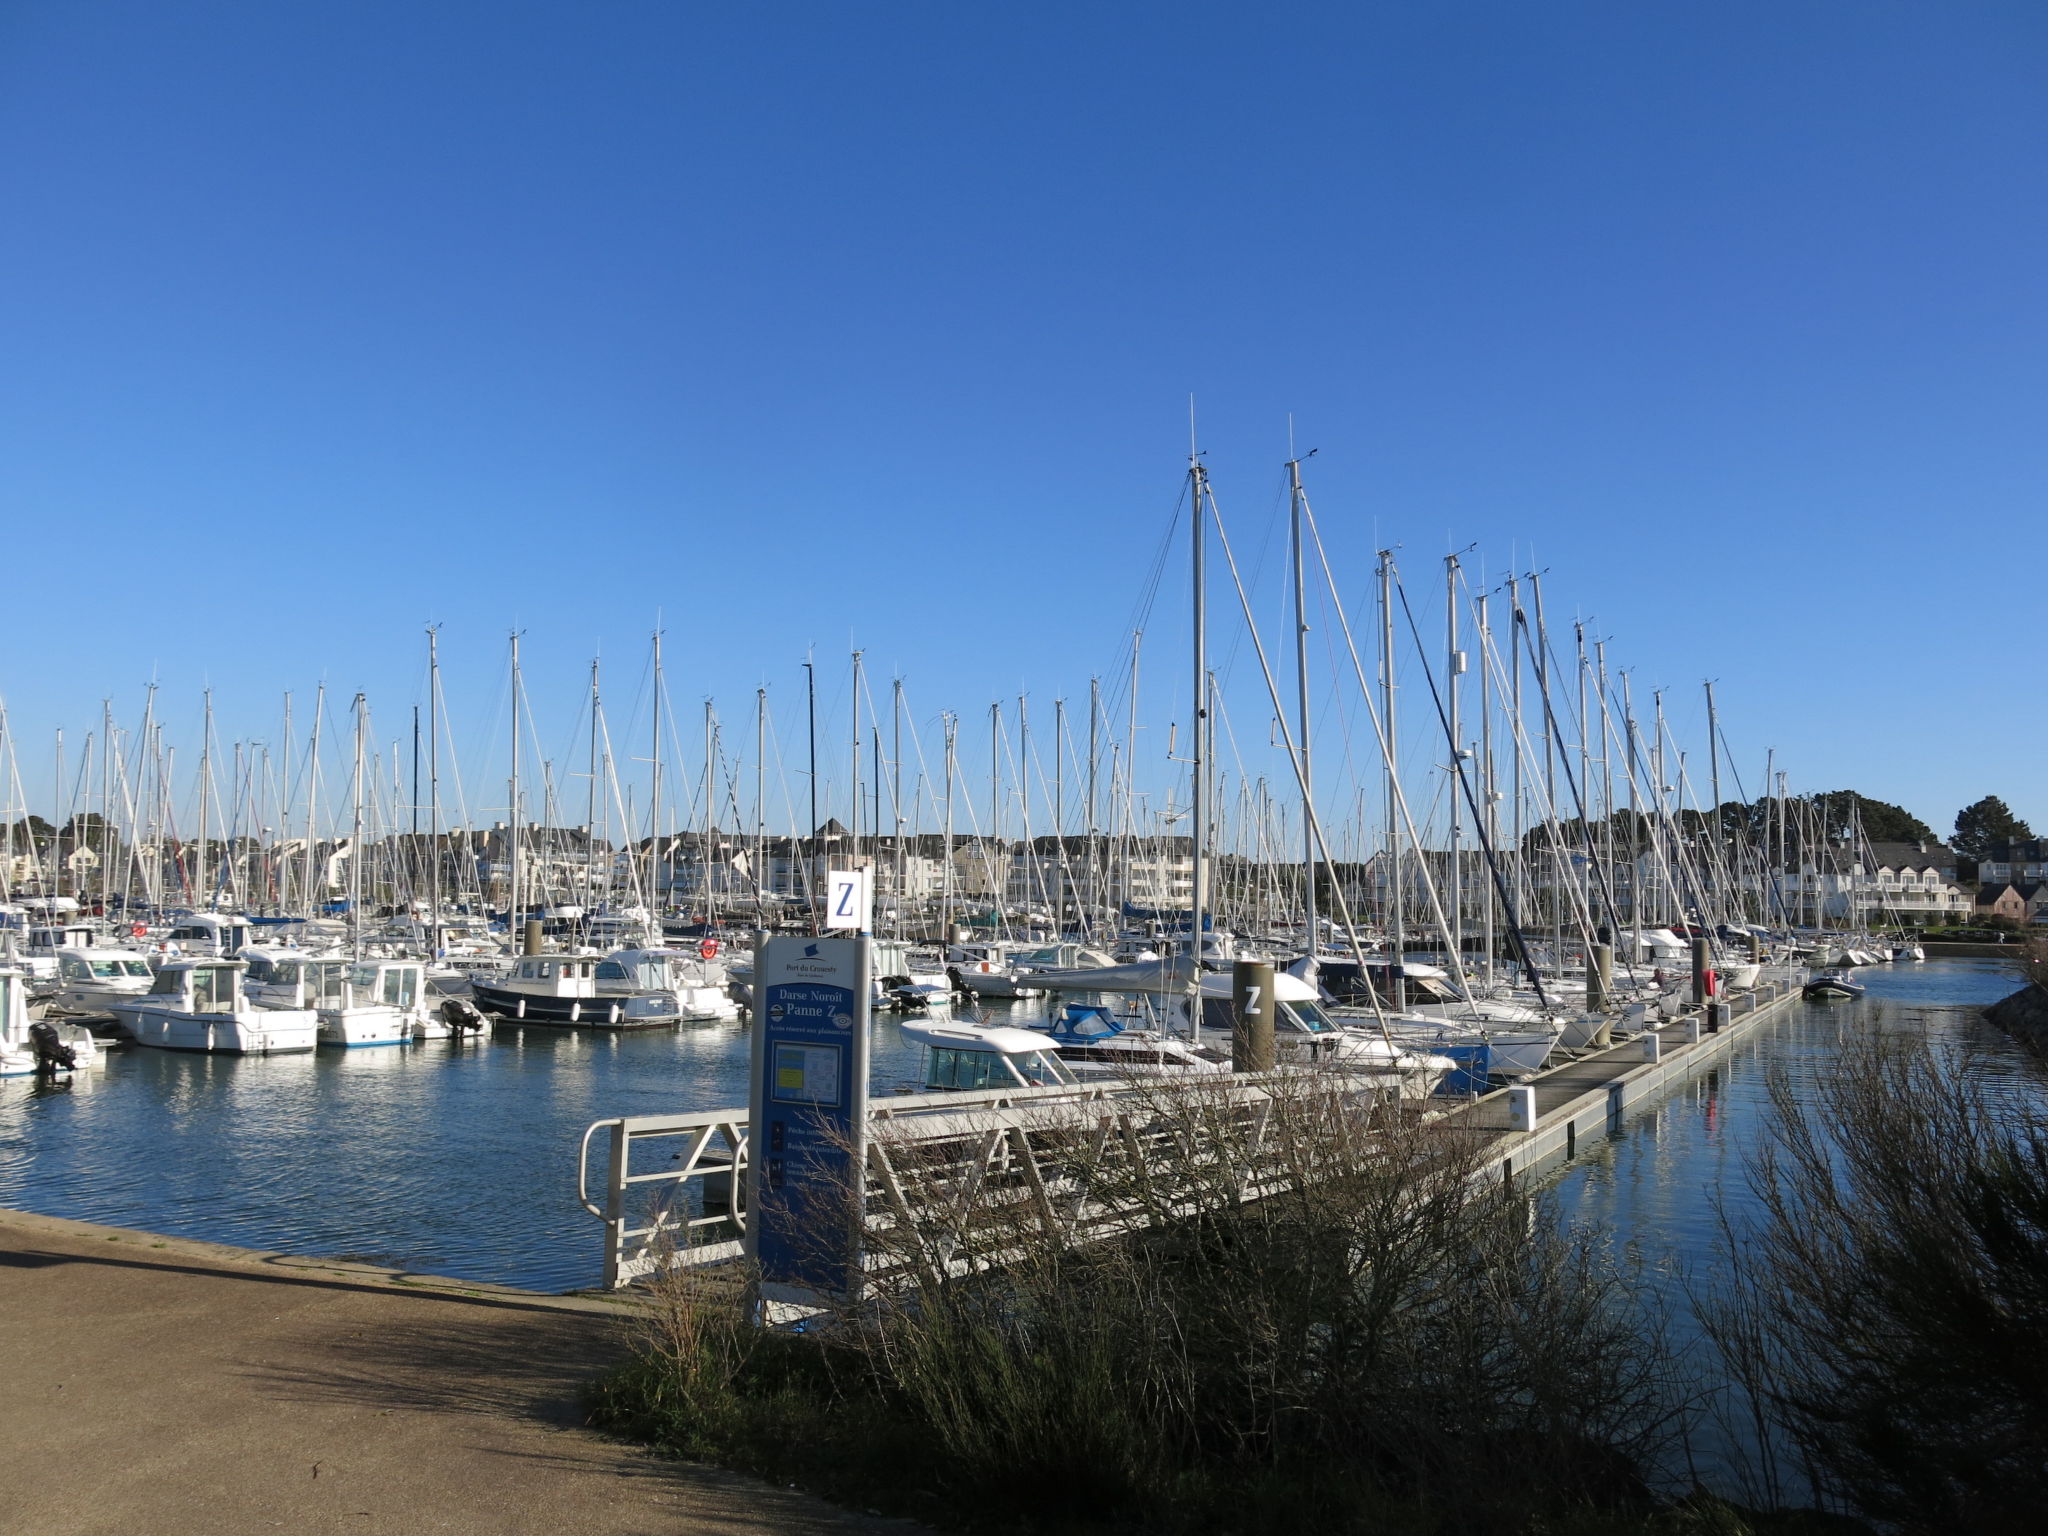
{"points": [[150, 1385]]}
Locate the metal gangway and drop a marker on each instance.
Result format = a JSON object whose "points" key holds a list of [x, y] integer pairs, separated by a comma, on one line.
{"points": [[1077, 1163]]}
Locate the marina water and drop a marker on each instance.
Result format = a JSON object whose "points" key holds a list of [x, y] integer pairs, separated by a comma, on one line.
{"points": [[460, 1159]]}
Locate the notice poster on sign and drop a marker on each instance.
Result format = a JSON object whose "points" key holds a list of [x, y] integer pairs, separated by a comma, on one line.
{"points": [[807, 1144]]}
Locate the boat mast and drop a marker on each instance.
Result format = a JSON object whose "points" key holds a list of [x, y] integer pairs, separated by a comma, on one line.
{"points": [[952, 728], [760, 802], [434, 789], [896, 807], [654, 864], [1489, 830], [355, 845], [1454, 667], [853, 829], [313, 790], [1396, 937], [513, 924], [200, 889], [1311, 918], [1198, 797], [811, 843]]}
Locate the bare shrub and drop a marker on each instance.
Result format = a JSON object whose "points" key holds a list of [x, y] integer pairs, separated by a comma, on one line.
{"points": [[1273, 1300], [1887, 1305]]}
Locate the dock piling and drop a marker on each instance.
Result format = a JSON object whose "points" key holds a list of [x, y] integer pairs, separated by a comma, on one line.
{"points": [[1251, 1029]]}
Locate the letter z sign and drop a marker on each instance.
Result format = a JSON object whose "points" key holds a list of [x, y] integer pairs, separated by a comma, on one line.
{"points": [[849, 899]]}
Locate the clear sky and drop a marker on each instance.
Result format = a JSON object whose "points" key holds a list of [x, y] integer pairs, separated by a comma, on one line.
{"points": [[833, 324]]}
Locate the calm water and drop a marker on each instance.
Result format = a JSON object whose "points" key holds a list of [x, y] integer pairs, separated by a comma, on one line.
{"points": [[1657, 1183], [460, 1160]]}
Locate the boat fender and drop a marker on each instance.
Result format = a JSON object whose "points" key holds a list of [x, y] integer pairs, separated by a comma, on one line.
{"points": [[612, 1016], [522, 1009]]}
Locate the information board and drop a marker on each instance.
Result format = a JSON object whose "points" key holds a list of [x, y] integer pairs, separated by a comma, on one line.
{"points": [[809, 1110]]}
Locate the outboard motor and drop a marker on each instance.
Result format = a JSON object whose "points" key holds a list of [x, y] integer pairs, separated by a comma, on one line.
{"points": [[461, 1016], [52, 1054], [899, 995]]}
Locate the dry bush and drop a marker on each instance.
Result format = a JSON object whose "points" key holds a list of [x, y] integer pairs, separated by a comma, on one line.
{"points": [[1886, 1309], [1368, 1334]]}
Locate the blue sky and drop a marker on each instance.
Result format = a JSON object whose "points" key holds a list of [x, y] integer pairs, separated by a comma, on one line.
{"points": [[833, 325]]}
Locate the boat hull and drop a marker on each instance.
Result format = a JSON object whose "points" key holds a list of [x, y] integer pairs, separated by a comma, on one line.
{"points": [[252, 1032], [617, 1012]]}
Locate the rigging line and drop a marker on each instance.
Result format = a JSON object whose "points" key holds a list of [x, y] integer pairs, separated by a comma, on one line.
{"points": [[1301, 780], [1507, 899]]}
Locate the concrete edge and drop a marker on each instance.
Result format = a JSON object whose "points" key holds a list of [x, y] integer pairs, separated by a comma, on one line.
{"points": [[313, 1270]]}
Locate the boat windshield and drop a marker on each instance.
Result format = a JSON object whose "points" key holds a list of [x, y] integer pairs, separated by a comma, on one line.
{"points": [[105, 970], [1311, 1017], [135, 967]]}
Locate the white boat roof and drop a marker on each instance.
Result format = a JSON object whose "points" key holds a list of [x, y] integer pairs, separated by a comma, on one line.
{"points": [[95, 952], [974, 1037], [1286, 988]]}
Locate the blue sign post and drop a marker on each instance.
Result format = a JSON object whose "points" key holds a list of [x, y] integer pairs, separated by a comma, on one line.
{"points": [[807, 1137]]}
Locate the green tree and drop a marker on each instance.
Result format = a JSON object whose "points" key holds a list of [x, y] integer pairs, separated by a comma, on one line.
{"points": [[1988, 822]]}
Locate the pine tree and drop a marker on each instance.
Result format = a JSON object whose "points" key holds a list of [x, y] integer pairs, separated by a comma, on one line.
{"points": [[1981, 826]]}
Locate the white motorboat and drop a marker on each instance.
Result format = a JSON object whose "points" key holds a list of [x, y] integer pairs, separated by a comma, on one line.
{"points": [[694, 982], [379, 1002], [975, 1056], [42, 1046], [198, 1005], [93, 980]]}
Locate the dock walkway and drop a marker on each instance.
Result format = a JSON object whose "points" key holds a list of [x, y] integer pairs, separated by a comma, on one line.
{"points": [[177, 1388], [1595, 1093]]}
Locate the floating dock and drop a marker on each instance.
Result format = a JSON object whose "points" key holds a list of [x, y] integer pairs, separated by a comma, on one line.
{"points": [[1540, 1123]]}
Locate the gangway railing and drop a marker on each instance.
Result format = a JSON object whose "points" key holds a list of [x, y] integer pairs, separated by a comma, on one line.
{"points": [[1067, 1153]]}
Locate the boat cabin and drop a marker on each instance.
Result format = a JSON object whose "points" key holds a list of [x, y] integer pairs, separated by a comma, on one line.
{"points": [[971, 1056], [81, 963], [198, 986], [45, 940], [209, 933], [554, 975]]}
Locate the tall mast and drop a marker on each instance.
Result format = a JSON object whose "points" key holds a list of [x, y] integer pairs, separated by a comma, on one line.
{"points": [[1198, 797], [896, 808], [355, 844], [513, 917], [853, 829], [313, 791], [1059, 815], [1396, 935], [1490, 831], [952, 726], [811, 833], [1297, 501], [654, 864], [760, 798], [1454, 667], [1094, 826], [710, 805], [434, 786], [1719, 830], [200, 889]]}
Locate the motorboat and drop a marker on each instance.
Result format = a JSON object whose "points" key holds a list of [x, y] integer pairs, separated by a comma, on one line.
{"points": [[1908, 951], [217, 934], [977, 1056], [93, 980], [694, 980], [377, 1002], [1096, 1043], [990, 970], [563, 989], [39, 1047], [198, 1004], [908, 978], [1831, 986]]}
